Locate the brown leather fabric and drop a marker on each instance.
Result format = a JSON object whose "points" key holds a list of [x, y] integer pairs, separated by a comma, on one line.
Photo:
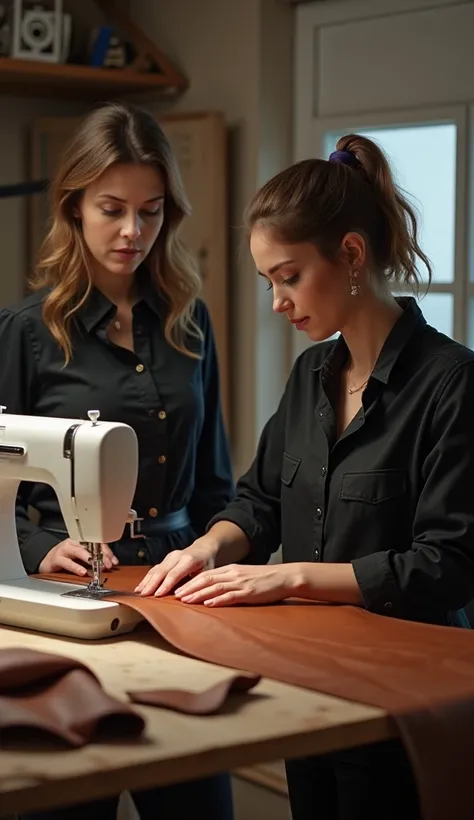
{"points": [[422, 675], [43, 693], [196, 703]]}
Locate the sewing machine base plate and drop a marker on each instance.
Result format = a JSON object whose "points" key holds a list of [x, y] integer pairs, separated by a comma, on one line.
{"points": [[93, 594], [63, 609]]}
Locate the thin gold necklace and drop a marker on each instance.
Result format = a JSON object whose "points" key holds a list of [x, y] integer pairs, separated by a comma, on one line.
{"points": [[352, 390]]}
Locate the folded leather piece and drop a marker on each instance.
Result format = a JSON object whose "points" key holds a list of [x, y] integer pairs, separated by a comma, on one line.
{"points": [[421, 675], [59, 696], [196, 703]]}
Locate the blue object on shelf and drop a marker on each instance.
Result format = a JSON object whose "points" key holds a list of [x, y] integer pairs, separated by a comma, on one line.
{"points": [[101, 45]]}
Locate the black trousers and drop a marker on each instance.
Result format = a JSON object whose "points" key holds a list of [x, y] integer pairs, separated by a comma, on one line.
{"points": [[368, 783], [209, 797]]}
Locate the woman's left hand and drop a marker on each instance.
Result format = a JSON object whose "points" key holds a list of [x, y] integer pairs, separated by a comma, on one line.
{"points": [[240, 584]]}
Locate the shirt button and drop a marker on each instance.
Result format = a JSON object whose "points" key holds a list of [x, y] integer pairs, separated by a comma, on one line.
{"points": [[319, 513], [153, 512], [162, 415], [324, 471], [151, 412], [315, 555], [388, 606], [161, 459], [141, 553], [140, 368]]}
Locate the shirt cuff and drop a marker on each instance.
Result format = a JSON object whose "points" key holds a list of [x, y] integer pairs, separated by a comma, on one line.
{"points": [[377, 584], [260, 551], [34, 548]]}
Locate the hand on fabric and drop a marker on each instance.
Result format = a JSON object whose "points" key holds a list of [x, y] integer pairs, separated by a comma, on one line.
{"points": [[67, 554], [240, 584], [179, 564]]}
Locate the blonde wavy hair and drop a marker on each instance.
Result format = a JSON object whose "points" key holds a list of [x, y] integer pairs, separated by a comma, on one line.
{"points": [[115, 133]]}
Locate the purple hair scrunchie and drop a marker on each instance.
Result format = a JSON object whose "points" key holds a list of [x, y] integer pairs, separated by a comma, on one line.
{"points": [[346, 158]]}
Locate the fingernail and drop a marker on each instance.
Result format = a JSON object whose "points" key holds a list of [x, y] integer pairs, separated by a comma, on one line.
{"points": [[114, 560]]}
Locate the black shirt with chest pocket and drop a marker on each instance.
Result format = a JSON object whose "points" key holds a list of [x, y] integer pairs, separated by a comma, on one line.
{"points": [[171, 400], [393, 495]]}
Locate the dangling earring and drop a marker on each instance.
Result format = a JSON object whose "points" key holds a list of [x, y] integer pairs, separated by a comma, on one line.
{"points": [[355, 289]]}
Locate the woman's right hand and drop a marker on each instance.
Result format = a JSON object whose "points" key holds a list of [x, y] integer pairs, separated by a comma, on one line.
{"points": [[67, 554], [178, 565]]}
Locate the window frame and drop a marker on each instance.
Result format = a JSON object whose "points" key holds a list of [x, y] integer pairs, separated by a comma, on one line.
{"points": [[429, 116], [461, 287]]}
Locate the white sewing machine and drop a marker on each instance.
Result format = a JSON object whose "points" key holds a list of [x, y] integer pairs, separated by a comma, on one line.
{"points": [[92, 466]]}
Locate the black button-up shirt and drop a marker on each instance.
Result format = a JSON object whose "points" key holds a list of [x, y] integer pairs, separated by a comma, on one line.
{"points": [[169, 399], [394, 494]]}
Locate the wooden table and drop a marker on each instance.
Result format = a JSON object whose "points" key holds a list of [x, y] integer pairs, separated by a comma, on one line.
{"points": [[273, 721]]}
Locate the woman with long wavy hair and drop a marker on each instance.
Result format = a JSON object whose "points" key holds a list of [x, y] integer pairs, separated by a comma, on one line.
{"points": [[114, 322]]}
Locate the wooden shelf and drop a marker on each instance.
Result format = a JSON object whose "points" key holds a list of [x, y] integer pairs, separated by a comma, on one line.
{"points": [[29, 78], [34, 78]]}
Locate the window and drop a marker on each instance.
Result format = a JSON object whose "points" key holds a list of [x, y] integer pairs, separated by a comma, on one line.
{"points": [[423, 160]]}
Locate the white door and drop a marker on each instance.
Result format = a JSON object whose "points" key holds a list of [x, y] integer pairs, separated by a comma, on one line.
{"points": [[401, 72]]}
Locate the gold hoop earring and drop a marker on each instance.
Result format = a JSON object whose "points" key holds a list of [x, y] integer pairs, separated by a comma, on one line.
{"points": [[355, 288]]}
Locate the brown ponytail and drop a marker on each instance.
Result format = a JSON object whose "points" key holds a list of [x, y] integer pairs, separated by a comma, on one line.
{"points": [[400, 249], [320, 201]]}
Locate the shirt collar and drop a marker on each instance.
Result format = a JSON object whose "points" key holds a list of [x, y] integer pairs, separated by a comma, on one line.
{"points": [[403, 330], [99, 309], [406, 325]]}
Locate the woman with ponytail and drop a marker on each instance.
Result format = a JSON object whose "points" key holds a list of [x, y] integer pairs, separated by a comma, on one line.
{"points": [[364, 474]]}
